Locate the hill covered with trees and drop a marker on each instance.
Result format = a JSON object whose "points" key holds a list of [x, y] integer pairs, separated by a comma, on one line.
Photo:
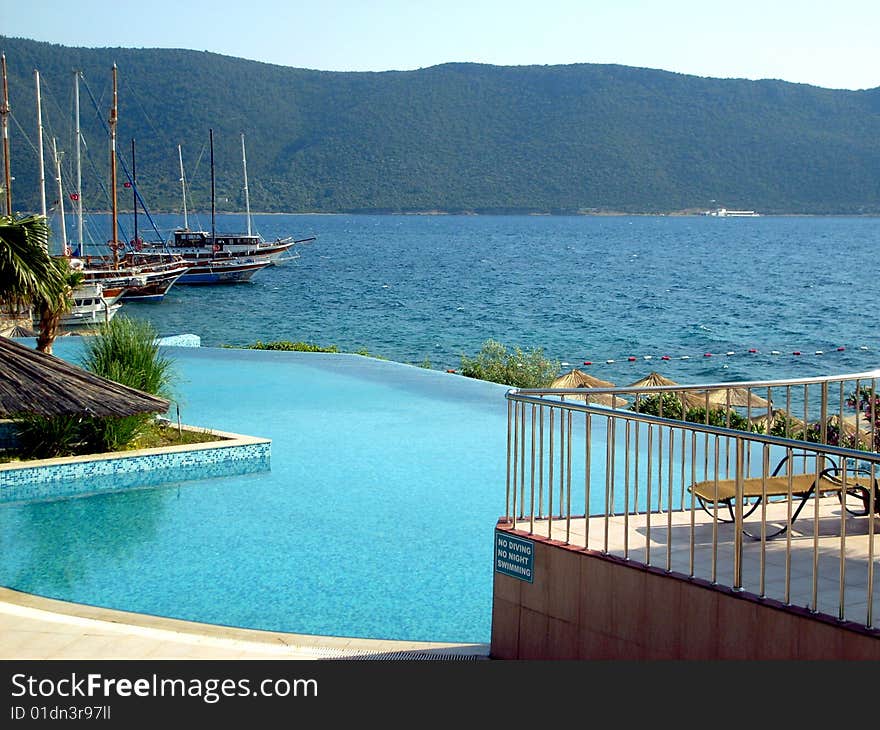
{"points": [[457, 137]]}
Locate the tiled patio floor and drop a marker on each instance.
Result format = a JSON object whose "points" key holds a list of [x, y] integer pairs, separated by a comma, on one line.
{"points": [[822, 566]]}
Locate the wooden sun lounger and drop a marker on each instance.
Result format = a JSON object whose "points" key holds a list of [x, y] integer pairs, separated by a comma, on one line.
{"points": [[859, 484]]}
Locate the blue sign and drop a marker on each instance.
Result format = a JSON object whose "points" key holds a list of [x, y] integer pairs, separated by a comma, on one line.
{"points": [[514, 556]]}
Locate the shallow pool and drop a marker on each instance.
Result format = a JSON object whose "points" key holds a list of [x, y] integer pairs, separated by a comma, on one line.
{"points": [[376, 519]]}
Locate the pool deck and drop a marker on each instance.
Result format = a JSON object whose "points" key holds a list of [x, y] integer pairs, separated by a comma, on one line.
{"points": [[32, 627]]}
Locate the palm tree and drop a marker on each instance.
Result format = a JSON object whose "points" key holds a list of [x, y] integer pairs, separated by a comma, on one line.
{"points": [[50, 310], [30, 277]]}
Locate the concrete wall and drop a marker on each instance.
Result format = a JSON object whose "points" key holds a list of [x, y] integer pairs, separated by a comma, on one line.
{"points": [[583, 605]]}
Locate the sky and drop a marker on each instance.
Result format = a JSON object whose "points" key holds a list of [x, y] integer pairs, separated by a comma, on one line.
{"points": [[829, 44]]}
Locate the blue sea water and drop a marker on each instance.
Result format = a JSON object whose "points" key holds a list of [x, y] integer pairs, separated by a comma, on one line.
{"points": [[417, 288], [386, 481]]}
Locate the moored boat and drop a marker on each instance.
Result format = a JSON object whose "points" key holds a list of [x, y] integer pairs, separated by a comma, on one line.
{"points": [[198, 246], [203, 246], [224, 271], [145, 280], [92, 307]]}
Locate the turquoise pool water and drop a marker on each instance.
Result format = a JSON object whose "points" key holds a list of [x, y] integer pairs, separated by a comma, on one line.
{"points": [[376, 519]]}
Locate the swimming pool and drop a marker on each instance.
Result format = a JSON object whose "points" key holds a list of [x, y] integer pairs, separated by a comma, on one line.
{"points": [[375, 521]]}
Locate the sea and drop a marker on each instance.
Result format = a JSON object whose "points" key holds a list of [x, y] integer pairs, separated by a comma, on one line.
{"points": [[697, 298]]}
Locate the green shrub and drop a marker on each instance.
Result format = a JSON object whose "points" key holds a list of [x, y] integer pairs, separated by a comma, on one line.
{"points": [[126, 351], [719, 417], [517, 369], [672, 408], [650, 404], [286, 345], [46, 437]]}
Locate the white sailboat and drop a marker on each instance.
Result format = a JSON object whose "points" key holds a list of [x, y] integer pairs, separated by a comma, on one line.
{"points": [[213, 258], [202, 246]]}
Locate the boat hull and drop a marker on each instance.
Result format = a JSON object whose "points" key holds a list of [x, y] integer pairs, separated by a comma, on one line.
{"points": [[222, 272]]}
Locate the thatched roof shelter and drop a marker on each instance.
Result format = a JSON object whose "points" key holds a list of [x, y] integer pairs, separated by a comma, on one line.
{"points": [[792, 424], [578, 379], [652, 380], [655, 379], [36, 383], [739, 397]]}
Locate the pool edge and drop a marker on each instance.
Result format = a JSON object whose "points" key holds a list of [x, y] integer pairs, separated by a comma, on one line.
{"points": [[36, 627]]}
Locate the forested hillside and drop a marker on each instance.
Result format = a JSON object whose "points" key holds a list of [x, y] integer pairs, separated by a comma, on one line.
{"points": [[456, 137]]}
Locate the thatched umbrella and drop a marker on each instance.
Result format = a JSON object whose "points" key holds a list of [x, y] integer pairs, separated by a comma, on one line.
{"points": [[652, 380], [578, 379], [40, 384], [655, 379], [739, 397], [792, 424]]}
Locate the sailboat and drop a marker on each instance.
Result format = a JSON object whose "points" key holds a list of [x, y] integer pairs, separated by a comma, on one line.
{"points": [[202, 246], [137, 277], [213, 258]]}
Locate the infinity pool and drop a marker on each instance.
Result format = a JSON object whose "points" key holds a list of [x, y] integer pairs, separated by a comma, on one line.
{"points": [[375, 521]]}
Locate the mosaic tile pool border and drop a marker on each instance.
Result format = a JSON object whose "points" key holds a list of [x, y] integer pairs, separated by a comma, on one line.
{"points": [[99, 473]]}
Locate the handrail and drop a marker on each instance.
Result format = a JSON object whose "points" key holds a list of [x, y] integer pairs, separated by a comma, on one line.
{"points": [[624, 482], [743, 384], [846, 453]]}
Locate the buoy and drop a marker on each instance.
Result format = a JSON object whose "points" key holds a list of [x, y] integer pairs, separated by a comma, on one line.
{"points": [[665, 357], [450, 371], [609, 361], [863, 347], [731, 353], [648, 357], [841, 349], [774, 352], [587, 362], [752, 350], [631, 358], [796, 352], [708, 354], [685, 357], [819, 352]]}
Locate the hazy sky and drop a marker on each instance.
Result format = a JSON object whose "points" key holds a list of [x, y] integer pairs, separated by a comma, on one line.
{"points": [[830, 44]]}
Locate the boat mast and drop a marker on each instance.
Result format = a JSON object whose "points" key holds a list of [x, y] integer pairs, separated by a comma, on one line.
{"points": [[213, 243], [182, 188], [4, 114], [134, 191], [40, 149], [114, 242], [247, 200], [78, 191], [57, 158]]}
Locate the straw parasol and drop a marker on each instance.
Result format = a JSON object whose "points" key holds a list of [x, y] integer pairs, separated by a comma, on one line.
{"points": [[739, 397], [579, 379], [655, 379], [44, 385], [795, 425]]}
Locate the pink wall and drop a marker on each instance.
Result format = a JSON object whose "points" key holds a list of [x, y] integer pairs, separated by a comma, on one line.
{"points": [[583, 605]]}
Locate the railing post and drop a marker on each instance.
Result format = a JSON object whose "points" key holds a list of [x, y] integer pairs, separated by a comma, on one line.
{"points": [[507, 491], [738, 534]]}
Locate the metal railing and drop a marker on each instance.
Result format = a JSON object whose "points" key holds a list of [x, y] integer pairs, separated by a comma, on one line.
{"points": [[718, 492]]}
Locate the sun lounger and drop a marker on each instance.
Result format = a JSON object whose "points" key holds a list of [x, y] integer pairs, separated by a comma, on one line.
{"points": [[777, 487]]}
